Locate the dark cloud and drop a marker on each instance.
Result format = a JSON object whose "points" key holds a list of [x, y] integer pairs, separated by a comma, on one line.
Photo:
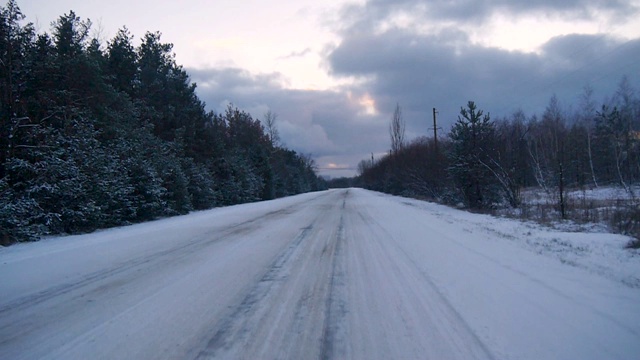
{"points": [[423, 71], [373, 12], [469, 9], [419, 72]]}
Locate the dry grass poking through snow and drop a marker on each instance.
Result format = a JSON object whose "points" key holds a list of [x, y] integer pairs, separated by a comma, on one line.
{"points": [[604, 209]]}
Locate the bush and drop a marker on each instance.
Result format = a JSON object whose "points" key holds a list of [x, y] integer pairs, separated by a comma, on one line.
{"points": [[626, 220]]}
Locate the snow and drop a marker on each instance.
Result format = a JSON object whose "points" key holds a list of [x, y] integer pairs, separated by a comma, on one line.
{"points": [[601, 253], [526, 295], [603, 194], [335, 274]]}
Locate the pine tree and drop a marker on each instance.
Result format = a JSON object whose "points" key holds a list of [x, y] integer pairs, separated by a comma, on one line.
{"points": [[472, 137], [15, 45], [91, 138], [121, 62]]}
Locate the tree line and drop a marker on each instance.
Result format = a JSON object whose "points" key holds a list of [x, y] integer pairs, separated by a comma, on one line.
{"points": [[483, 162], [97, 135]]}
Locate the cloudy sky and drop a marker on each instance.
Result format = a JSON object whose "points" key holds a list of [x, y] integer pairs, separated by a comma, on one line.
{"points": [[334, 70]]}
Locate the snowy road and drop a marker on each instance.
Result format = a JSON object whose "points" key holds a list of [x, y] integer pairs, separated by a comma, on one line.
{"points": [[342, 274]]}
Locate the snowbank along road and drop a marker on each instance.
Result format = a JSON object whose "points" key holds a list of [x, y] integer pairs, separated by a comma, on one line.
{"points": [[341, 274]]}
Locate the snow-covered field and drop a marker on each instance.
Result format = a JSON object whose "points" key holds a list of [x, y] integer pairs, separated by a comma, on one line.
{"points": [[603, 193], [594, 210], [336, 274]]}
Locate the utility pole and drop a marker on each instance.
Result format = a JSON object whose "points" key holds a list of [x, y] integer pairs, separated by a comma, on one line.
{"points": [[435, 130]]}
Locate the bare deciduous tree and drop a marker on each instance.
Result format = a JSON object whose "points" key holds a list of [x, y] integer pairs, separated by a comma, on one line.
{"points": [[396, 130], [588, 108], [270, 119]]}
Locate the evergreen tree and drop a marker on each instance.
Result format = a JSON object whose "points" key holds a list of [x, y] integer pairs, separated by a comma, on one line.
{"points": [[15, 45], [122, 62], [473, 141], [93, 138]]}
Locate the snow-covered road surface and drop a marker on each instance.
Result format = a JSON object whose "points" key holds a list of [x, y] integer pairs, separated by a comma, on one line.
{"points": [[342, 274]]}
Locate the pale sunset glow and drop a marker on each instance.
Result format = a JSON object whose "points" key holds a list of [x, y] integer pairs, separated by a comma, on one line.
{"points": [[368, 104]]}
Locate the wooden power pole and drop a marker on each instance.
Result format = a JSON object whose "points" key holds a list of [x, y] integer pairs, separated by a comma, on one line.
{"points": [[435, 129]]}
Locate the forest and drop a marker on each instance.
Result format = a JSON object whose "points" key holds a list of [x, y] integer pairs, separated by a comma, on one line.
{"points": [[99, 135], [483, 164]]}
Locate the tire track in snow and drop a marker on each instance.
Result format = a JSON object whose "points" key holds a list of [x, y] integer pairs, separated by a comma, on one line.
{"points": [[335, 309], [294, 299], [235, 325], [191, 246], [116, 275], [335, 330], [438, 309]]}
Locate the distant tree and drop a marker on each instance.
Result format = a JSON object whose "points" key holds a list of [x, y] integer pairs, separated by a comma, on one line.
{"points": [[397, 130], [577, 166], [422, 168], [586, 117], [547, 141], [342, 182], [627, 104], [270, 119], [613, 130], [365, 165], [509, 163]]}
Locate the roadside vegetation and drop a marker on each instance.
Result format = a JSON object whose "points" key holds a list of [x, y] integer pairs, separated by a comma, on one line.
{"points": [[95, 135], [557, 167]]}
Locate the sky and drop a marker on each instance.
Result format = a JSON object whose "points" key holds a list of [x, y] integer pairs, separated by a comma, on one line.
{"points": [[333, 70]]}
